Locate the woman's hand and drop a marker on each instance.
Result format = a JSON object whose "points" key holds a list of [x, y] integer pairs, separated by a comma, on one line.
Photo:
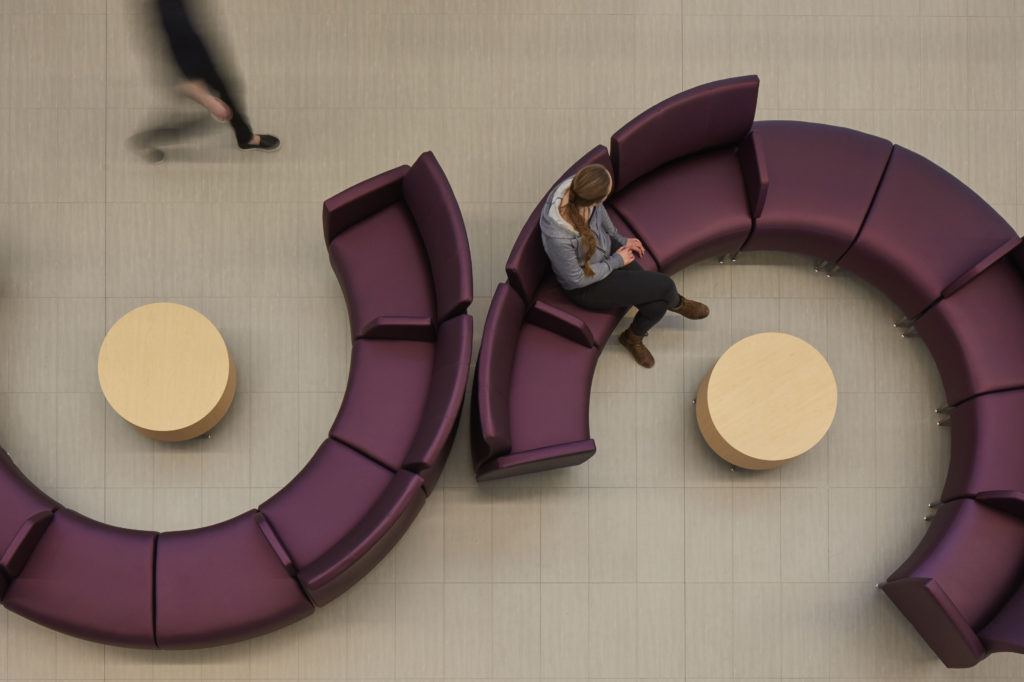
{"points": [[636, 246], [626, 253]]}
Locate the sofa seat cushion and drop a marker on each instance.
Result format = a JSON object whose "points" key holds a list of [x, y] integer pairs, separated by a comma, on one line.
{"points": [[549, 390], [821, 182], [90, 580], [925, 228], [689, 210], [383, 269], [20, 499], [220, 584], [325, 501], [985, 441], [388, 384], [1005, 632], [975, 334]]}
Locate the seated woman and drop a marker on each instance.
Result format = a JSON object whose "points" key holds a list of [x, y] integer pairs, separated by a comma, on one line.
{"points": [[595, 265]]}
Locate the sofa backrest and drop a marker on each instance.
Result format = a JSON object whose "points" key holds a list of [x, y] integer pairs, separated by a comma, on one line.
{"points": [[444, 398], [494, 368], [361, 201], [527, 264], [712, 115], [433, 206]]}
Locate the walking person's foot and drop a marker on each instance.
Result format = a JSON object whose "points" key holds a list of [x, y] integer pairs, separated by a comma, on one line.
{"points": [[263, 142]]}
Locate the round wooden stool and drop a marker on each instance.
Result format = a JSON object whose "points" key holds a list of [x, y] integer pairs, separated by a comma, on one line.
{"points": [[166, 370], [770, 398]]}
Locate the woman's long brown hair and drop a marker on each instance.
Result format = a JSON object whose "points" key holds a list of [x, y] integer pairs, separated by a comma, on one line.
{"points": [[588, 187]]}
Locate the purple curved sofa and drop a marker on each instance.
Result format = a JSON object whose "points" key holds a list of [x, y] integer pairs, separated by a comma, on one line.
{"points": [[696, 177], [398, 245]]}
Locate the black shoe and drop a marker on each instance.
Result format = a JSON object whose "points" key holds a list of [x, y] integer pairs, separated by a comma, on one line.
{"points": [[153, 155], [267, 143]]}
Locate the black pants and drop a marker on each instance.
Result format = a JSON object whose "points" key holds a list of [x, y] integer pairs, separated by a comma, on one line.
{"points": [[192, 57], [652, 293]]}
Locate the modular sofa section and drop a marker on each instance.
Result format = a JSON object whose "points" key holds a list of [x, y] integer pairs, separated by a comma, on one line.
{"points": [[223, 583], [90, 580], [965, 568], [810, 185], [924, 230]]}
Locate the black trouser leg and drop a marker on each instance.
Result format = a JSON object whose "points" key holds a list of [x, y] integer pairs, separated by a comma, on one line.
{"points": [[243, 132], [653, 293]]}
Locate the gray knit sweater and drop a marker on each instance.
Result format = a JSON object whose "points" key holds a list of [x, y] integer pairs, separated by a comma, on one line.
{"points": [[564, 245]]}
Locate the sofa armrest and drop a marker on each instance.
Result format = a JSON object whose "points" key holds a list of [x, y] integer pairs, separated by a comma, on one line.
{"points": [[539, 459], [924, 603], [23, 542], [361, 201], [754, 171], [275, 543], [560, 322], [1008, 501], [399, 327]]}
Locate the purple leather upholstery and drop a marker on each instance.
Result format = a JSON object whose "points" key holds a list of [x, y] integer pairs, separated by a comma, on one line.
{"points": [[359, 202], [490, 432], [388, 384], [90, 580], [382, 268], [688, 210], [712, 115], [377, 531], [974, 335], [1005, 632], [986, 445], [822, 180], [19, 500], [336, 488], [432, 203], [24, 542], [534, 461], [925, 229], [222, 583], [527, 265], [442, 409], [966, 566]]}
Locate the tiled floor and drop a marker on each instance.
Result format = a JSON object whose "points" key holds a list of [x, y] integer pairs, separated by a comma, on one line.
{"points": [[651, 561]]}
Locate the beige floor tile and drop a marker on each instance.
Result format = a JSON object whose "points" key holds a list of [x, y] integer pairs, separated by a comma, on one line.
{"points": [[757, 534], [90, 502], [661, 631], [658, 60], [613, 426], [660, 539], [177, 509], [910, 449], [32, 343], [419, 555], [178, 465], [72, 235], [805, 623], [708, 522], [706, 340], [130, 508], [468, 628], [564, 630], [419, 633], [852, 534], [613, 533], [323, 642], [274, 345], [515, 533], [29, 435], [804, 534], [662, 423], [709, 630], [756, 630], [370, 611], [613, 631], [57, 60], [274, 447], [850, 353], [81, 445], [754, 316], [851, 441], [467, 535], [276, 657], [668, 345], [323, 345], [130, 455], [516, 630], [56, 155], [564, 535]]}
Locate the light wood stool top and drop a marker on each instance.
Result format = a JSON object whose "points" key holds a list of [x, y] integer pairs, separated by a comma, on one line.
{"points": [[166, 370], [770, 398]]}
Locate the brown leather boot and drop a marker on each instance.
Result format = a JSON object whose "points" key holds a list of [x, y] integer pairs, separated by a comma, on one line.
{"points": [[692, 310], [635, 344]]}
